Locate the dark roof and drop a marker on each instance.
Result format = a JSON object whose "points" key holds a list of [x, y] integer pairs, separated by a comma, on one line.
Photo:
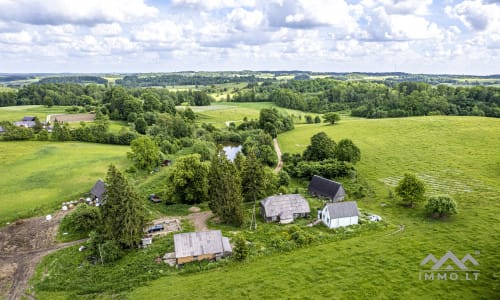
{"points": [[285, 205], [342, 209], [99, 189], [324, 187], [29, 118], [199, 243]]}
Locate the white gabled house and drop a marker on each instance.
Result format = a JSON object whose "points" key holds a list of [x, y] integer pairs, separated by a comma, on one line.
{"points": [[339, 214]]}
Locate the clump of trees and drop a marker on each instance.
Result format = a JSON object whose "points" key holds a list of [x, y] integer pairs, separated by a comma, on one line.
{"points": [[145, 153], [441, 206], [410, 189]]}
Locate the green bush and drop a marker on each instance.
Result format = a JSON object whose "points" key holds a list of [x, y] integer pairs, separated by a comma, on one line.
{"points": [[81, 220], [441, 206]]}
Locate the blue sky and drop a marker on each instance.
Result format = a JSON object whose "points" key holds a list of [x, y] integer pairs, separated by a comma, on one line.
{"points": [[417, 36]]}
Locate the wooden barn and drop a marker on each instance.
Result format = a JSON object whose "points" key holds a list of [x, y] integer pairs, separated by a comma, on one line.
{"points": [[284, 208], [340, 214], [195, 246], [322, 187]]}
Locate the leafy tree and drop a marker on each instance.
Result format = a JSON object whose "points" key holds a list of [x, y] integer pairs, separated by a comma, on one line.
{"points": [[283, 178], [145, 153], [151, 101], [411, 189], [321, 148], [331, 118], [140, 125], [204, 149], [123, 216], [347, 151], [224, 190], [309, 119], [317, 119], [47, 101], [60, 132], [188, 180], [240, 251], [441, 206]]}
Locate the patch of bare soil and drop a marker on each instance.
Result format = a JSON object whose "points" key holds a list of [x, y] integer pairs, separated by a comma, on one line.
{"points": [[72, 118], [199, 220], [278, 153], [22, 246]]}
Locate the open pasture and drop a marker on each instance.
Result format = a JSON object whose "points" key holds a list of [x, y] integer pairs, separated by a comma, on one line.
{"points": [[38, 176], [455, 155], [16, 113]]}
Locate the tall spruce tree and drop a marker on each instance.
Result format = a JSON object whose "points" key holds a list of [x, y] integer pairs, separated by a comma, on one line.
{"points": [[123, 217], [253, 182], [224, 190]]}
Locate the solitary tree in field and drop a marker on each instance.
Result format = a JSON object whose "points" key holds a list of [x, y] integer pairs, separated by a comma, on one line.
{"points": [[145, 153], [224, 190], [410, 189], [331, 118], [123, 216], [441, 206]]}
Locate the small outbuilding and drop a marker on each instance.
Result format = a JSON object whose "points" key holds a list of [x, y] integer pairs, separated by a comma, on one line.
{"points": [[340, 214], [196, 246], [98, 190], [284, 208], [322, 187]]}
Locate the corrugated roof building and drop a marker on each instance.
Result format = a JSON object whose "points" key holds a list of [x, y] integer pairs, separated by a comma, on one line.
{"points": [[195, 246], [284, 208]]}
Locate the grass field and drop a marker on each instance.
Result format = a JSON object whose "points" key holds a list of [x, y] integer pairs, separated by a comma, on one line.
{"points": [[38, 176], [455, 155], [16, 113], [220, 112]]}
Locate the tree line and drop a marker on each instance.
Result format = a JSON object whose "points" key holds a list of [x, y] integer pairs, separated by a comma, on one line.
{"points": [[377, 100]]}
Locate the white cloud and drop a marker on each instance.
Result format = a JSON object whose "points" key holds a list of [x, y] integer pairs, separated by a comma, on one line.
{"points": [[395, 27], [212, 4], [22, 37], [164, 31], [106, 29], [87, 12], [476, 15], [244, 19], [402, 7]]}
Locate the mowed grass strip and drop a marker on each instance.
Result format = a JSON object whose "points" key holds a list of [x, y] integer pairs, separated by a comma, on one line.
{"points": [[38, 176], [455, 155]]}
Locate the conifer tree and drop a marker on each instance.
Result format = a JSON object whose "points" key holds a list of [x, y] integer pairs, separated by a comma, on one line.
{"points": [[224, 190], [123, 217]]}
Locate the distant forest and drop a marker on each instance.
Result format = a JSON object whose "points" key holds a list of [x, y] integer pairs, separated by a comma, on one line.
{"points": [[382, 97]]}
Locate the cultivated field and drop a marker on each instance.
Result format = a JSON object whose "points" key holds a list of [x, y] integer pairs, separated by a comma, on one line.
{"points": [[38, 176], [455, 155]]}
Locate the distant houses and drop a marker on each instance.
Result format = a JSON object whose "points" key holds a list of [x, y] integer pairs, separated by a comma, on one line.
{"points": [[196, 246], [27, 122], [322, 187], [340, 214], [284, 208]]}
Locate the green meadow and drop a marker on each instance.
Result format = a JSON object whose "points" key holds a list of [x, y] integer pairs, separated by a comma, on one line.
{"points": [[38, 176], [16, 113], [459, 156]]}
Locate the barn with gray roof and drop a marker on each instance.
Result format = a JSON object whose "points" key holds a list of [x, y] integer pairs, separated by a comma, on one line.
{"points": [[195, 246], [284, 208], [340, 214], [326, 188]]}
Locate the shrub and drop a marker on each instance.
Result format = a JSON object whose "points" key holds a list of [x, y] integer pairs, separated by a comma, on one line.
{"points": [[441, 206], [240, 251], [81, 220]]}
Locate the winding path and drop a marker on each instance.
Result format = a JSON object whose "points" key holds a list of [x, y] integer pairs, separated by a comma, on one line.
{"points": [[278, 152]]}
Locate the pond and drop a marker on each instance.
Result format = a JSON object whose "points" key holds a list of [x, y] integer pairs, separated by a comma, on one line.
{"points": [[232, 151]]}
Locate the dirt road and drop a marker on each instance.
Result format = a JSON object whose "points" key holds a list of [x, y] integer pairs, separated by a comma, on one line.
{"points": [[199, 220], [22, 246], [278, 152]]}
